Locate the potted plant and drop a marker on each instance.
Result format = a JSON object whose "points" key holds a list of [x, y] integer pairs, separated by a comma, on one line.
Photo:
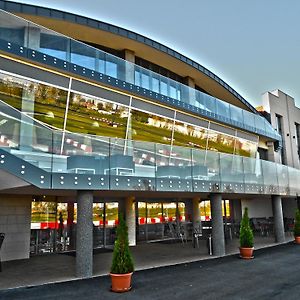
{"points": [[122, 263], [246, 237], [297, 227]]}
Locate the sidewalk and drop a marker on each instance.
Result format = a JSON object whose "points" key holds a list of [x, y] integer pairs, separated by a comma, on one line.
{"points": [[61, 267], [273, 274]]}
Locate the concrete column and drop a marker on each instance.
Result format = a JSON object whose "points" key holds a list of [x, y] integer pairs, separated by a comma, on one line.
{"points": [[191, 92], [130, 220], [218, 240], [32, 37], [271, 151], [196, 211], [278, 219], [84, 234], [188, 211], [129, 56]]}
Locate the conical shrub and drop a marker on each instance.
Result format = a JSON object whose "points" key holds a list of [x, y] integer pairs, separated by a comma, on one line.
{"points": [[122, 261], [297, 223], [246, 233]]}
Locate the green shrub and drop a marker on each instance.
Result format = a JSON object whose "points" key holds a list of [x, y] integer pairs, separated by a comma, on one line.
{"points": [[122, 261], [297, 223], [246, 234]]}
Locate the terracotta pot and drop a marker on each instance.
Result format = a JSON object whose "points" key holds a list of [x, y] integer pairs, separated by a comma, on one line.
{"points": [[246, 253], [120, 283], [297, 240]]}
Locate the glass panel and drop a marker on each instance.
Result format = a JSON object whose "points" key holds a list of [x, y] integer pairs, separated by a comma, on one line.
{"points": [[12, 29], [189, 136], [96, 116], [232, 170], [113, 67], [43, 102], [98, 225], [54, 44], [173, 162], [145, 159], [205, 212], [236, 114], [199, 169], [269, 174], [260, 124], [111, 221], [245, 148], [142, 220], [249, 119], [145, 80], [253, 171], [222, 109], [220, 142], [150, 128], [43, 227], [169, 211], [83, 55], [283, 178]]}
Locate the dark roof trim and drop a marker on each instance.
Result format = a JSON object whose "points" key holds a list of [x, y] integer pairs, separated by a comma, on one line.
{"points": [[15, 7]]}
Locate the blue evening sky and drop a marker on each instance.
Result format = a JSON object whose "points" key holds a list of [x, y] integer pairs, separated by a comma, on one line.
{"points": [[254, 45]]}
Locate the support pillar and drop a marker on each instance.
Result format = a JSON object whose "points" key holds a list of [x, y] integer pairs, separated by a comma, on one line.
{"points": [[129, 57], [218, 240], [130, 220], [188, 210], [278, 219], [191, 92], [196, 211], [84, 234]]}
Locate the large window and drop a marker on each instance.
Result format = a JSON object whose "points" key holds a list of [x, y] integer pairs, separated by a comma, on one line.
{"points": [[96, 116], [43, 102], [150, 128]]}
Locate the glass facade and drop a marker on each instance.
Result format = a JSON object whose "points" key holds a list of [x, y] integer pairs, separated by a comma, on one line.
{"points": [[53, 225], [59, 50], [98, 116]]}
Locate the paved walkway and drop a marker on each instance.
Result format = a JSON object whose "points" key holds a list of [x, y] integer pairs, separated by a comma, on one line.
{"points": [[61, 267], [272, 274]]}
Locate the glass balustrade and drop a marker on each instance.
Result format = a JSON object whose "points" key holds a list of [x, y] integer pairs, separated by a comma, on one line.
{"points": [[38, 43], [137, 165]]}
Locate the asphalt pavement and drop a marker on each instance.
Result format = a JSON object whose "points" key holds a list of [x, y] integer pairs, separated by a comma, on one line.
{"points": [[274, 273]]}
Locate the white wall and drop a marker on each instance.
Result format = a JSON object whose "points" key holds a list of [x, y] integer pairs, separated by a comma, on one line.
{"points": [[277, 102], [15, 218], [258, 208]]}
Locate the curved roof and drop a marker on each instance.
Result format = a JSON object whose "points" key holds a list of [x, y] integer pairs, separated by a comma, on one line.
{"points": [[87, 29]]}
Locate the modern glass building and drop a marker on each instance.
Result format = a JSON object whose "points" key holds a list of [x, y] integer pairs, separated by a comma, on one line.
{"points": [[97, 120]]}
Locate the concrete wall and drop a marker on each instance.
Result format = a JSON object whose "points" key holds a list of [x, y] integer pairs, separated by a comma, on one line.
{"points": [[277, 102], [289, 207], [15, 218], [258, 208]]}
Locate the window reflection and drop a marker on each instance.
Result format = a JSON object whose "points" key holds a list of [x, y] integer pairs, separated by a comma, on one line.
{"points": [[43, 102], [150, 128], [245, 148], [220, 142], [95, 116], [189, 136]]}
